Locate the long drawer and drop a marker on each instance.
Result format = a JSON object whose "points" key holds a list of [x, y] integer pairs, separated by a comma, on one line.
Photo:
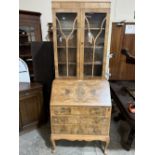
{"points": [[80, 120], [98, 111], [80, 129]]}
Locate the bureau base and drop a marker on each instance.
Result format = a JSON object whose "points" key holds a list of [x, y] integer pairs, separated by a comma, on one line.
{"points": [[72, 137]]}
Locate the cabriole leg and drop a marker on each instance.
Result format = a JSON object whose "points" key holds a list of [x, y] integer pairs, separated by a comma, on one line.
{"points": [[106, 147], [53, 145]]}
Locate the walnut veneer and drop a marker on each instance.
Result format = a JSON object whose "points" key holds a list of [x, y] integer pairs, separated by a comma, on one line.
{"points": [[80, 104], [80, 110]]}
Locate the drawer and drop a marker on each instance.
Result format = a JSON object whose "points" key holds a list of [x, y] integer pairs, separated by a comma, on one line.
{"points": [[80, 129], [98, 111], [80, 120]]}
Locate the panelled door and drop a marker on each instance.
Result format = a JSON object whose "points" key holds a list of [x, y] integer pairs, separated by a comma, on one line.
{"points": [[94, 51], [66, 47], [80, 43]]}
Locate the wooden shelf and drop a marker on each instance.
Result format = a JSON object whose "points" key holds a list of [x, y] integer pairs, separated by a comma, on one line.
{"points": [[67, 29], [67, 77], [95, 29], [25, 55], [29, 59], [95, 63], [93, 47], [84, 47], [23, 35], [78, 28], [69, 63], [89, 77], [25, 44], [65, 47]]}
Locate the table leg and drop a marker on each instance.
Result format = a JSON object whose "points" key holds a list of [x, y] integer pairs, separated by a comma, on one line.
{"points": [[106, 147], [53, 145], [131, 136]]}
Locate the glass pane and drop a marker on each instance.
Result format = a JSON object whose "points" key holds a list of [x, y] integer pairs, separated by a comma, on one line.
{"points": [[66, 20], [72, 70], [61, 55], [88, 70], [97, 70], [98, 55], [62, 69], [72, 55], [94, 43], [66, 25], [27, 34], [61, 40], [95, 20], [91, 35], [88, 55]]}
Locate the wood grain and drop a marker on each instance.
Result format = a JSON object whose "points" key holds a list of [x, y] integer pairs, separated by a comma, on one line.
{"points": [[81, 92], [80, 9], [80, 108], [30, 104], [120, 70]]}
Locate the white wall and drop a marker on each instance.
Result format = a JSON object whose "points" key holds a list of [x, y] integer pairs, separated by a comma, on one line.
{"points": [[121, 10]]}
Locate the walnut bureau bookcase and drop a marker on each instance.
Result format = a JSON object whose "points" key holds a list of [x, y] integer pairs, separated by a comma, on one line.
{"points": [[80, 104]]}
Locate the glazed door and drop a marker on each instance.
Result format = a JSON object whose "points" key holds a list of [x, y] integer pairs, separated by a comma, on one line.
{"points": [[66, 47], [94, 43]]}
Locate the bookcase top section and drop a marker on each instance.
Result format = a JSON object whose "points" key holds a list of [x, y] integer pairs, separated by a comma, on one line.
{"points": [[96, 1], [81, 93]]}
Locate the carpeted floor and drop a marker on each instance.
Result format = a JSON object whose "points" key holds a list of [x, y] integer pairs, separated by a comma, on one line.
{"points": [[37, 142]]}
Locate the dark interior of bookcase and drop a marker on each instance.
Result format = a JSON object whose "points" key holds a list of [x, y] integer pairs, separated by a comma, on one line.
{"points": [[66, 25]]}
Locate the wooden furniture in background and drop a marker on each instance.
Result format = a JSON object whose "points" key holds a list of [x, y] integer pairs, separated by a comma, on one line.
{"points": [[50, 31], [29, 31], [123, 93], [119, 69], [129, 58], [30, 105], [80, 100]]}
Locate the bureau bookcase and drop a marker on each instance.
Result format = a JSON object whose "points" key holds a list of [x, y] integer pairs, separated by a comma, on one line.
{"points": [[80, 98]]}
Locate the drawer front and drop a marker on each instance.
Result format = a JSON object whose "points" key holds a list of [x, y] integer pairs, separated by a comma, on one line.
{"points": [[82, 120], [80, 129], [98, 111]]}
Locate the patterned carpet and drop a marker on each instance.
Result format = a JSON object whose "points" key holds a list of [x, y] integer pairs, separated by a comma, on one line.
{"points": [[37, 142]]}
